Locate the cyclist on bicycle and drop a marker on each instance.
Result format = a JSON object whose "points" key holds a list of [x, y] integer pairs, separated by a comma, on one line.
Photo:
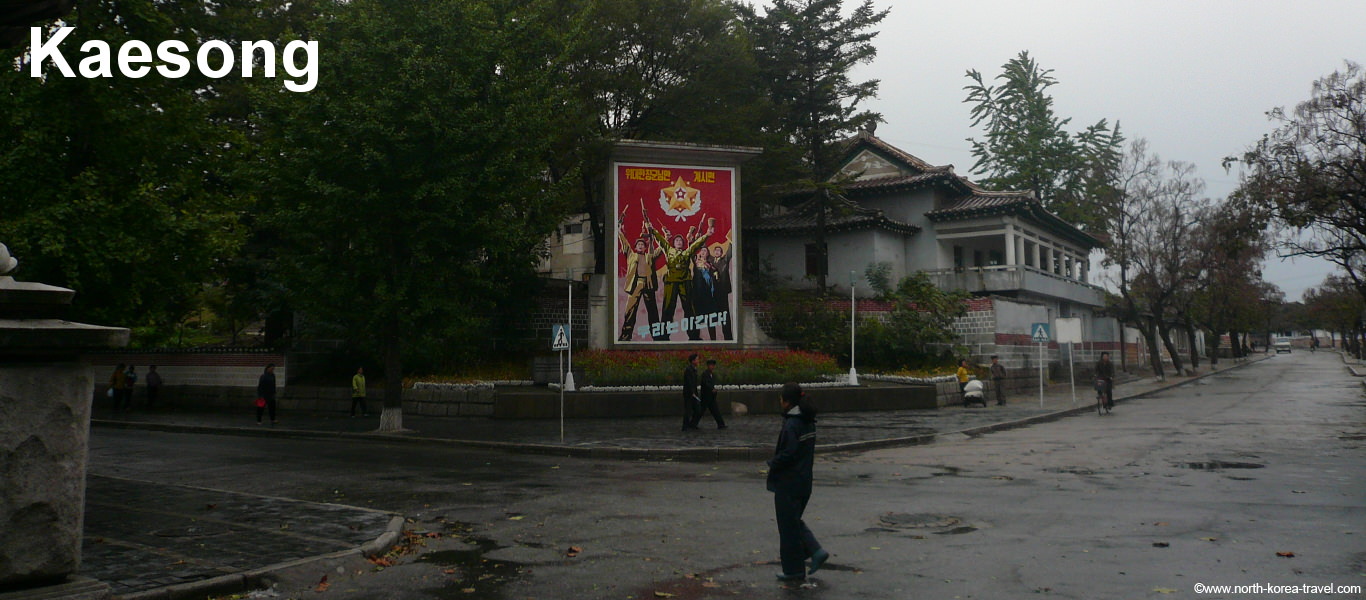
{"points": [[1105, 372]]}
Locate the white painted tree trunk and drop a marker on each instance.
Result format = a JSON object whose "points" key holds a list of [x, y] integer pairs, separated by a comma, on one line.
{"points": [[391, 420]]}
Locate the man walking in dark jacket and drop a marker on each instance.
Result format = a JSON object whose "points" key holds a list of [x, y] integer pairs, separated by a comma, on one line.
{"points": [[265, 390], [709, 396], [692, 404], [789, 478]]}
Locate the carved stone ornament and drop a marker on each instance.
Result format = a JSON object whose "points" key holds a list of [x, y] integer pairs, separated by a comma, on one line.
{"points": [[7, 262]]}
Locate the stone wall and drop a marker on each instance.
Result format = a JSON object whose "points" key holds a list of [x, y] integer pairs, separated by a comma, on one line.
{"points": [[186, 368], [476, 402]]}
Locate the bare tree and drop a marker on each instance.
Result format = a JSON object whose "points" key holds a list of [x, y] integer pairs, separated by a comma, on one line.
{"points": [[1229, 245], [1154, 219], [1310, 173]]}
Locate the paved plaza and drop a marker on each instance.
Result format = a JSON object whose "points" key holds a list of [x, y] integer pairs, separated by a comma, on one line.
{"points": [[156, 540]]}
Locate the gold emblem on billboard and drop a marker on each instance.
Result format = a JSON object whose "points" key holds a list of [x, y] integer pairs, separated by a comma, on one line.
{"points": [[680, 200]]}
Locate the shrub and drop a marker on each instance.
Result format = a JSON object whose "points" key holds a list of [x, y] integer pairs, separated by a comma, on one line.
{"points": [[665, 367]]}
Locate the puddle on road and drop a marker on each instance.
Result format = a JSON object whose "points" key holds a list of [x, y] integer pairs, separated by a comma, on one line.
{"points": [[1070, 470], [1214, 465], [475, 577], [957, 531]]}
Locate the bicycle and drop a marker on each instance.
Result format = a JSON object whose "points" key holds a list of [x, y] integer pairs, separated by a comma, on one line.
{"points": [[1102, 407]]}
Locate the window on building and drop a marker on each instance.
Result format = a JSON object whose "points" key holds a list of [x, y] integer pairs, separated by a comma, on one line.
{"points": [[977, 258], [573, 228], [957, 257], [994, 258], [815, 261]]}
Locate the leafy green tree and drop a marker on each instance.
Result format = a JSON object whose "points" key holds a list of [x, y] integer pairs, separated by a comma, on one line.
{"points": [[112, 186], [808, 323], [410, 187], [1026, 145], [921, 319], [1310, 173], [669, 70], [806, 50]]}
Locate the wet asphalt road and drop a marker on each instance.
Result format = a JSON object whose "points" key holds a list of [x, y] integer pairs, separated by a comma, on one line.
{"points": [[1201, 485]]}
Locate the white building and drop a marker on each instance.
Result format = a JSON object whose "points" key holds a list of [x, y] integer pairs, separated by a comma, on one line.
{"points": [[913, 216]]}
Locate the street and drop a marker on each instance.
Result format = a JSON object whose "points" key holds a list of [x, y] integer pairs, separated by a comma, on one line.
{"points": [[1255, 476]]}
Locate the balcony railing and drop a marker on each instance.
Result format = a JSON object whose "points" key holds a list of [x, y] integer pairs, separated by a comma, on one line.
{"points": [[1017, 278]]}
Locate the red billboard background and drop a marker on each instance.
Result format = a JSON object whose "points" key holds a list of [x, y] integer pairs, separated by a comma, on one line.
{"points": [[674, 236]]}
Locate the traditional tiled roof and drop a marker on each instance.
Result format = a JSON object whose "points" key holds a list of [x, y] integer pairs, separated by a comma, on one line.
{"points": [[983, 203], [968, 200], [867, 137], [841, 215]]}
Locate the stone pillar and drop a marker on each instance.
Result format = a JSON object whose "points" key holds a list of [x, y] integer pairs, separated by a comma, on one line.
{"points": [[1010, 245], [1038, 256], [45, 398]]}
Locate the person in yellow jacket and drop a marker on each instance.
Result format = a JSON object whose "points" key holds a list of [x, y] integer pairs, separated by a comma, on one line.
{"points": [[358, 393], [963, 375]]}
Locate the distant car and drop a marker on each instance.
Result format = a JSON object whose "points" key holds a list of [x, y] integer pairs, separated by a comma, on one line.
{"points": [[1282, 345]]}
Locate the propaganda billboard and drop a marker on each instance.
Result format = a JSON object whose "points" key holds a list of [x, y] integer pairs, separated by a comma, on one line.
{"points": [[674, 275]]}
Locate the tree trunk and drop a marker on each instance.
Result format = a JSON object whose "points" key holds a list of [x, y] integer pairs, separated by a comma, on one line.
{"points": [[598, 222], [824, 258], [1123, 350], [391, 420], [1214, 351], [1154, 355], [1194, 351], [1171, 349]]}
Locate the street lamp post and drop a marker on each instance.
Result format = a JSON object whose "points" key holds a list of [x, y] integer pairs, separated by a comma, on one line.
{"points": [[853, 327]]}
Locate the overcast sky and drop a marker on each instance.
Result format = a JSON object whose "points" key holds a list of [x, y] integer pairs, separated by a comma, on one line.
{"points": [[1194, 77]]}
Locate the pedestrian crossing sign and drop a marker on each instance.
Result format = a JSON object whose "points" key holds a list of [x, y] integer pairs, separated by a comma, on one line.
{"points": [[1040, 333], [560, 339]]}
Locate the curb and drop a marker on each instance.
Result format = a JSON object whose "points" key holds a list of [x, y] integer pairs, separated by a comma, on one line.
{"points": [[621, 453], [1005, 425], [258, 578]]}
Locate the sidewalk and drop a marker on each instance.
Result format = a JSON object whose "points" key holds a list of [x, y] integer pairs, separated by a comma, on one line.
{"points": [[746, 438], [153, 541]]}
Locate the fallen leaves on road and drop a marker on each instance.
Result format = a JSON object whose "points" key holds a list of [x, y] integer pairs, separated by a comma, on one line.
{"points": [[1161, 544], [663, 595], [322, 585], [1286, 554], [573, 551], [1210, 539], [382, 561], [1164, 590]]}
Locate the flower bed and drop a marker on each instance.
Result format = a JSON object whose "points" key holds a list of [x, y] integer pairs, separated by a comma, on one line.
{"points": [[664, 368]]}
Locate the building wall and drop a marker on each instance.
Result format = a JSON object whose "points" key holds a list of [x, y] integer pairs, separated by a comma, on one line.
{"points": [[571, 249], [920, 252]]}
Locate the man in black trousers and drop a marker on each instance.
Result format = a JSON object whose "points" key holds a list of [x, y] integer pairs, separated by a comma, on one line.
{"points": [[692, 405], [709, 396], [789, 478]]}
